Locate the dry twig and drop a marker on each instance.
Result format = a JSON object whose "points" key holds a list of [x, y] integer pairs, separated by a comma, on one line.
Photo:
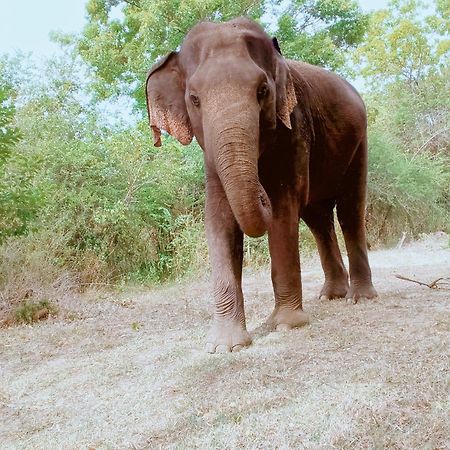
{"points": [[436, 284]]}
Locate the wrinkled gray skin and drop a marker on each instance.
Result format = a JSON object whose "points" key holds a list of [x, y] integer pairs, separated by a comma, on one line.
{"points": [[282, 141]]}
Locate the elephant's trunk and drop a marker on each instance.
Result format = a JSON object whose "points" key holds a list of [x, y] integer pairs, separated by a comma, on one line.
{"points": [[236, 149]]}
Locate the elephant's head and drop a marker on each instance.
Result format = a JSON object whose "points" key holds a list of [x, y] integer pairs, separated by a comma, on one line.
{"points": [[227, 82]]}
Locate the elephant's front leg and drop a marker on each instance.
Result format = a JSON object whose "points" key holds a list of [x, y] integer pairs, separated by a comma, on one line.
{"points": [[284, 253], [225, 242]]}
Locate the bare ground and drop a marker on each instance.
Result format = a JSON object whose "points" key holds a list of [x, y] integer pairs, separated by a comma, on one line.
{"points": [[129, 372]]}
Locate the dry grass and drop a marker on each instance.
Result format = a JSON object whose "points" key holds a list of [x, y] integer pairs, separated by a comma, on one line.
{"points": [[30, 275], [131, 372]]}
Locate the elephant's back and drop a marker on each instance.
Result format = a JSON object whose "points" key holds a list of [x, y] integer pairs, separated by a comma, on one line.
{"points": [[339, 121], [330, 97]]}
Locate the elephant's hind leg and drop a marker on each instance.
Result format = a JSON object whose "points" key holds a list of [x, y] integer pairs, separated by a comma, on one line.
{"points": [[351, 206], [320, 220]]}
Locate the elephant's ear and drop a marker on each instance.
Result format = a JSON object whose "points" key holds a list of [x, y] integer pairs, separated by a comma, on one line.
{"points": [[286, 98], [164, 90]]}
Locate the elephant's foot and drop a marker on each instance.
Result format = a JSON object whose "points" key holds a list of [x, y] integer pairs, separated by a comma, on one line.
{"points": [[360, 291], [334, 289], [283, 319], [227, 336]]}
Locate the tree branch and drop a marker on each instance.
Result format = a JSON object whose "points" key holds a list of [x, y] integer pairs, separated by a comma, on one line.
{"points": [[429, 140], [134, 3]]}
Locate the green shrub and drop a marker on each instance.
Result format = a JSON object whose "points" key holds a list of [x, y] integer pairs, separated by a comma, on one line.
{"points": [[121, 206], [30, 311], [406, 193]]}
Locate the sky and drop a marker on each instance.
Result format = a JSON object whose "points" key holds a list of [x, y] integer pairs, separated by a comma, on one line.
{"points": [[25, 24]]}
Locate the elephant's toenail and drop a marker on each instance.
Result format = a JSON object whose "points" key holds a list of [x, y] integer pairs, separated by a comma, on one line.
{"points": [[223, 349], [283, 327], [210, 348]]}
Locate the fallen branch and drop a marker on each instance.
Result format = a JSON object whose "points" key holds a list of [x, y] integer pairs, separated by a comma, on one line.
{"points": [[436, 284]]}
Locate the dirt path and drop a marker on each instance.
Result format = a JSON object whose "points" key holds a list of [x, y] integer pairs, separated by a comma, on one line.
{"points": [[131, 373]]}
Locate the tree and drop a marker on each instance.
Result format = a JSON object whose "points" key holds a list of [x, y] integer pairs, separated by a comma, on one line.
{"points": [[122, 47], [404, 43], [9, 134], [16, 198], [321, 31], [405, 60]]}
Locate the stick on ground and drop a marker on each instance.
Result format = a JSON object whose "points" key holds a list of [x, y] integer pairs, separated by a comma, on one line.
{"points": [[439, 283]]}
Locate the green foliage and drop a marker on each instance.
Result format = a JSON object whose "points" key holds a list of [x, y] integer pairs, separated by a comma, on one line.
{"points": [[404, 59], [404, 43], [417, 116], [409, 158], [50, 115], [97, 204], [29, 311], [17, 200], [407, 193], [118, 204], [9, 135], [123, 49], [321, 31]]}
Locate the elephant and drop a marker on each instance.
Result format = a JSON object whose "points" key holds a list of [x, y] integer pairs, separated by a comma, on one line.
{"points": [[282, 141]]}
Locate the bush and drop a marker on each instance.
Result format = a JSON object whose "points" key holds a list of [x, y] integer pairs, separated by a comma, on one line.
{"points": [[30, 311], [119, 205], [31, 267], [407, 193]]}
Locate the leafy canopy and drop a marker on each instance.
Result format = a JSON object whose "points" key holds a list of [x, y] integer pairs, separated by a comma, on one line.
{"points": [[122, 39], [321, 31], [9, 134], [405, 59], [406, 42]]}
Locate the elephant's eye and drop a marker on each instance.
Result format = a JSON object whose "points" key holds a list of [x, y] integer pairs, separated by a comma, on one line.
{"points": [[263, 91], [195, 100]]}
